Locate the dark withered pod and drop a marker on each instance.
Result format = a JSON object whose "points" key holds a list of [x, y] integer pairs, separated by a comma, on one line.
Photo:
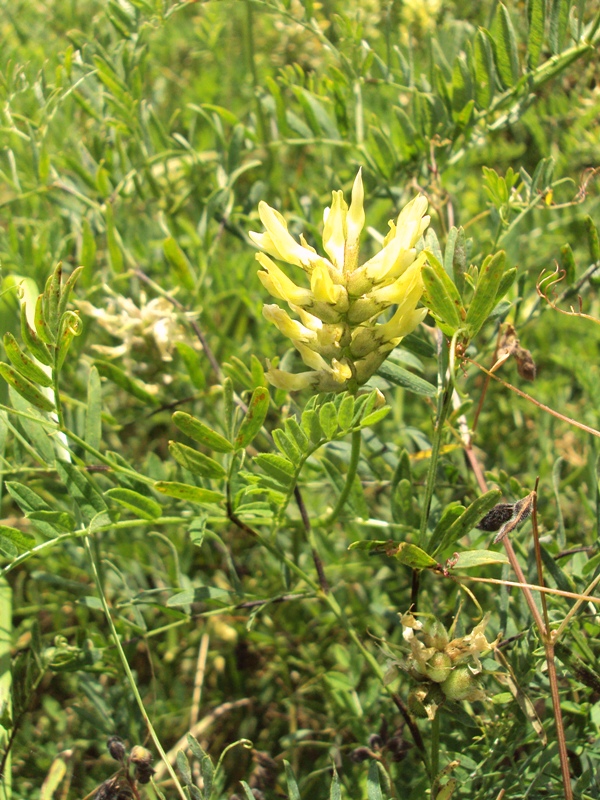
{"points": [[143, 773], [496, 517], [116, 748], [361, 754], [114, 789]]}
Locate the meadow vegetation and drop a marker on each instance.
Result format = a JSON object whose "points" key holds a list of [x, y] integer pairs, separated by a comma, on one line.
{"points": [[252, 585]]}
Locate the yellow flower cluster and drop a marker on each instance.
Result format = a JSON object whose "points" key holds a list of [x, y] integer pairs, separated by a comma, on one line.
{"points": [[336, 334]]}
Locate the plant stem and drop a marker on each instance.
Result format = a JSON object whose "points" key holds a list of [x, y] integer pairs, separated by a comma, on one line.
{"points": [[5, 685], [312, 541], [436, 444], [435, 753], [350, 476], [128, 671], [433, 462], [560, 728]]}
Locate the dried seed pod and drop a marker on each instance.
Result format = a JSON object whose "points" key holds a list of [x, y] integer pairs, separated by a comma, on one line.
{"points": [[397, 747], [361, 754], [143, 773], [496, 517], [525, 364], [375, 741], [116, 748], [114, 789]]}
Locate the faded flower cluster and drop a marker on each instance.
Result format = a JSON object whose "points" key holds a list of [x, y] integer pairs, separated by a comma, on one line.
{"points": [[336, 332], [446, 668], [153, 324]]}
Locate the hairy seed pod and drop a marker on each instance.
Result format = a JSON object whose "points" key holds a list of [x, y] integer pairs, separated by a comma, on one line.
{"points": [[116, 748], [461, 684], [438, 667], [435, 634], [143, 773]]}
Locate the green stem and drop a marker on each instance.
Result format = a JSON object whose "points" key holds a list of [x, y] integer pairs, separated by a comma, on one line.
{"points": [[129, 673], [433, 461], [125, 525], [249, 40], [350, 476], [57, 401], [435, 754], [5, 685]]}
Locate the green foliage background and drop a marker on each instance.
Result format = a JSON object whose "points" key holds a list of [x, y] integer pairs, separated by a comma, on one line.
{"points": [[136, 139]]}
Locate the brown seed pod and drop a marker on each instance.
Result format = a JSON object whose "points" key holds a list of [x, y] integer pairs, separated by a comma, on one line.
{"points": [[496, 518], [143, 773], [116, 748]]}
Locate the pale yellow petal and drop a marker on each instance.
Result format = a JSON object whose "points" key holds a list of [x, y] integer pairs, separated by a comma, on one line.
{"points": [[278, 242], [355, 218], [291, 382], [322, 286], [334, 230], [279, 285], [310, 358], [288, 326]]}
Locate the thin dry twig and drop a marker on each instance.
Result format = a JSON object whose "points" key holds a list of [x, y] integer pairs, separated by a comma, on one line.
{"points": [[548, 281], [199, 678], [535, 402]]}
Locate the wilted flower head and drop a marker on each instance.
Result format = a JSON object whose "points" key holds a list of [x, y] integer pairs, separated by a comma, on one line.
{"points": [[336, 334], [153, 324], [453, 665]]}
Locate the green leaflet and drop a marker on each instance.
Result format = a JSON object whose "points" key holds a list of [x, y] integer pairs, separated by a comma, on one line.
{"points": [[93, 418], [402, 377], [442, 298], [34, 344], [178, 260], [485, 71], [23, 364], [184, 491], [484, 299], [469, 559], [13, 540], [505, 47], [123, 381], [254, 419], [196, 462], [25, 388], [201, 433], [373, 784], [536, 12], [467, 520], [144, 507]]}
